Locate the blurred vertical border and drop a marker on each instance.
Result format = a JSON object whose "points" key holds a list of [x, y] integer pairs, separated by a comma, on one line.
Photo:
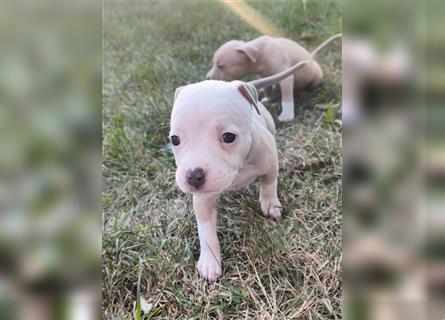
{"points": [[50, 153], [394, 160]]}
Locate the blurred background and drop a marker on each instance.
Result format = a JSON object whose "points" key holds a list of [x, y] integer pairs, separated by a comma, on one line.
{"points": [[394, 160], [50, 119], [393, 151]]}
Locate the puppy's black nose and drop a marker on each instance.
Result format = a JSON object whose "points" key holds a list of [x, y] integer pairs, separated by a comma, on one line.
{"points": [[196, 177]]}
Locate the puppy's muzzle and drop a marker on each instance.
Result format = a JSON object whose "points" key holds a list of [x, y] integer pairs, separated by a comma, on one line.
{"points": [[196, 177]]}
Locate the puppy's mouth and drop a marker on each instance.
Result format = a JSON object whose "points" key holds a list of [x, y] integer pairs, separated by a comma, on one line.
{"points": [[199, 191], [204, 189], [212, 182], [220, 77]]}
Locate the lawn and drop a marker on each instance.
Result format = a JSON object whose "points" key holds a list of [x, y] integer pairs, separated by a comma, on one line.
{"points": [[285, 269]]}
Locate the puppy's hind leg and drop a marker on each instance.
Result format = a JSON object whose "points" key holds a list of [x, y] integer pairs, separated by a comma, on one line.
{"points": [[287, 99], [270, 205]]}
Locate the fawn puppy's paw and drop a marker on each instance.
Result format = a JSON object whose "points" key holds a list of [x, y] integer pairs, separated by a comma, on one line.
{"points": [[287, 114]]}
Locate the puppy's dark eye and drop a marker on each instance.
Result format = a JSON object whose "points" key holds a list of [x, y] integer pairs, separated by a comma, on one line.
{"points": [[175, 140], [228, 137], [220, 66]]}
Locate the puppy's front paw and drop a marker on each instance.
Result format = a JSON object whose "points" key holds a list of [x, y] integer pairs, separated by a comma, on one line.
{"points": [[286, 116], [271, 208], [208, 267]]}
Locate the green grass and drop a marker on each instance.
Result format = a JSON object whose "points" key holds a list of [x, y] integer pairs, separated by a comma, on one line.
{"points": [[286, 269]]}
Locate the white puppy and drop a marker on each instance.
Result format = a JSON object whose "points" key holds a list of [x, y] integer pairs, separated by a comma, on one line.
{"points": [[223, 138]]}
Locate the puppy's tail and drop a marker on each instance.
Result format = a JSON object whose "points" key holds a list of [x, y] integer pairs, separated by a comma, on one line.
{"points": [[268, 81], [325, 44]]}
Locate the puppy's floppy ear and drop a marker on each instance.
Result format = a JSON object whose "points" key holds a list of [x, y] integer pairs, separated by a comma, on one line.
{"points": [[178, 89], [248, 92], [250, 51]]}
